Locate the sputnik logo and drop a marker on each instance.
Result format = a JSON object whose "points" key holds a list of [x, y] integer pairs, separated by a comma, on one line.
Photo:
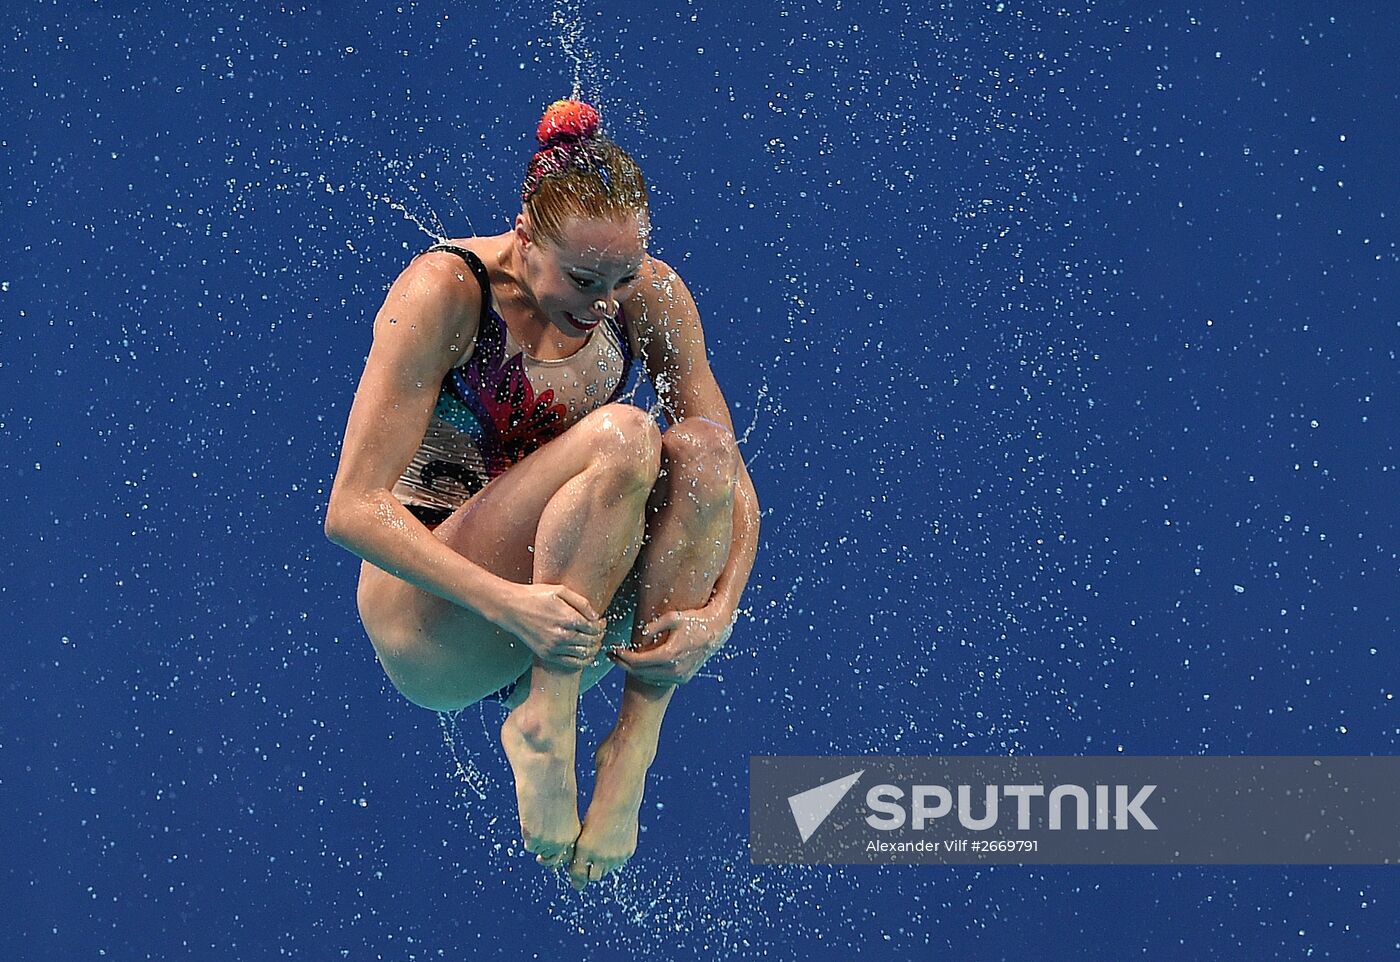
{"points": [[811, 808]]}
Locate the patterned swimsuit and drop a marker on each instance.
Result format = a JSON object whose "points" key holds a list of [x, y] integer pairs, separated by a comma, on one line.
{"points": [[500, 404]]}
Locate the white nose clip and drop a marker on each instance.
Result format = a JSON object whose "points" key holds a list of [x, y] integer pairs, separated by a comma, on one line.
{"points": [[602, 306]]}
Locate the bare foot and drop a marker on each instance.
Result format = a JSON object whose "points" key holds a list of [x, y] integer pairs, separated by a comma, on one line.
{"points": [[546, 788], [610, 830]]}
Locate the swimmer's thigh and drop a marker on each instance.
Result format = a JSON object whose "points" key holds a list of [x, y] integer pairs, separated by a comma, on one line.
{"points": [[443, 656]]}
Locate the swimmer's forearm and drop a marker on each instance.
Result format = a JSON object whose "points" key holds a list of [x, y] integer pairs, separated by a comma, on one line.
{"points": [[383, 532], [743, 547]]}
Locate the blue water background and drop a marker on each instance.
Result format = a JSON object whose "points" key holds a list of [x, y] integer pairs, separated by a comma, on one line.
{"points": [[1063, 337]]}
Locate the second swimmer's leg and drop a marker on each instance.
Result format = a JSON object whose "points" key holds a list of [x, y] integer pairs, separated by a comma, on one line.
{"points": [[688, 541], [588, 537]]}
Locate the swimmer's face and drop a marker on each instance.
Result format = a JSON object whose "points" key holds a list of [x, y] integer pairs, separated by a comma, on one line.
{"points": [[594, 260]]}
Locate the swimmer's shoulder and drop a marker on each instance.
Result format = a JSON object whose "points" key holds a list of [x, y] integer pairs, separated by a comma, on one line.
{"points": [[450, 294], [660, 294]]}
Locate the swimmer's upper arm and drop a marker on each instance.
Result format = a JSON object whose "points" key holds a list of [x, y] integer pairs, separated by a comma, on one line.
{"points": [[672, 342], [429, 317]]}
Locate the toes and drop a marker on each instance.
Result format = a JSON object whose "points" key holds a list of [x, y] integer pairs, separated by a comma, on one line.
{"points": [[549, 853], [581, 872], [584, 869], [555, 859]]}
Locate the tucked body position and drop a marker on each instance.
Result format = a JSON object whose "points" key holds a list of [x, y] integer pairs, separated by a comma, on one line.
{"points": [[523, 526]]}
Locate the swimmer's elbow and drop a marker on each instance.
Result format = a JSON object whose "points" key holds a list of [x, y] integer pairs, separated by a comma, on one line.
{"points": [[339, 526], [334, 530]]}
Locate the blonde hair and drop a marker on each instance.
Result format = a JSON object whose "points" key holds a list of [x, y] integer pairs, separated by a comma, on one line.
{"points": [[579, 172]]}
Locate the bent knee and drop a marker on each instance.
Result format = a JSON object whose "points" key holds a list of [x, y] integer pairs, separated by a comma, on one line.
{"points": [[626, 438], [703, 449]]}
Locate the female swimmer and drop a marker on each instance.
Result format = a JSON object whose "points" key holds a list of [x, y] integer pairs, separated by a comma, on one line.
{"points": [[523, 526]]}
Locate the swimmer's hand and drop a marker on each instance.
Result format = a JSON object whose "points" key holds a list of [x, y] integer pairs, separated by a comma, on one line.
{"points": [[557, 623], [690, 638]]}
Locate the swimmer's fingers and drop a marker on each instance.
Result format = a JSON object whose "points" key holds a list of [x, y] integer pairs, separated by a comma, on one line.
{"points": [[667, 622], [654, 665], [687, 639], [574, 655], [579, 620], [548, 619], [578, 602], [576, 644], [565, 634]]}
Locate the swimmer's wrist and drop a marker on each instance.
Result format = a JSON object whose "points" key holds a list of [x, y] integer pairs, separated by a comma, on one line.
{"points": [[491, 600]]}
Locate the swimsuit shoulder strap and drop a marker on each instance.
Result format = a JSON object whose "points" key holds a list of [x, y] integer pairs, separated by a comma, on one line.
{"points": [[477, 268], [618, 324]]}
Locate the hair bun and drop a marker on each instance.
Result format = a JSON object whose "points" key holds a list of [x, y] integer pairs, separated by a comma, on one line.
{"points": [[566, 120]]}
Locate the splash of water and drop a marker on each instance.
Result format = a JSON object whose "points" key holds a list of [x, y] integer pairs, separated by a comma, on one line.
{"points": [[569, 23], [463, 770]]}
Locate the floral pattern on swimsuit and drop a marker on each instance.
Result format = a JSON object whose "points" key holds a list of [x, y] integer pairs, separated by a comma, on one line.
{"points": [[512, 420], [500, 404]]}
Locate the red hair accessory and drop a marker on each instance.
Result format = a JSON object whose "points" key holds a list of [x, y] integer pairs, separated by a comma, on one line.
{"points": [[566, 120]]}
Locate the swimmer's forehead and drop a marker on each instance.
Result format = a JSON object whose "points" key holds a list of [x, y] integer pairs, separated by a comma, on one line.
{"points": [[620, 267], [603, 247]]}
